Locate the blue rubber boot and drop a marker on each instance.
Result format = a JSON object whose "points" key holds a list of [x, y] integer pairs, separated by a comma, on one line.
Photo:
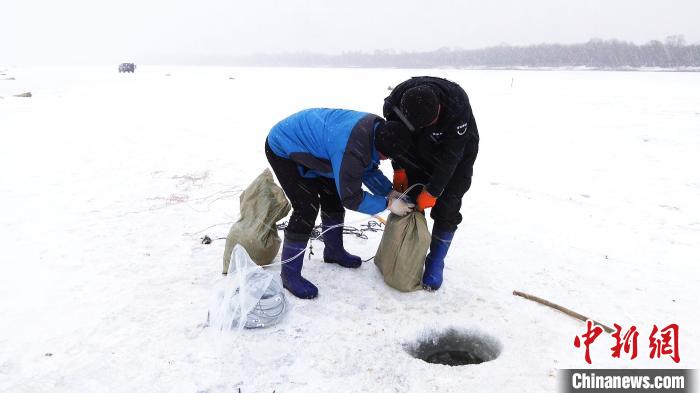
{"points": [[293, 253], [333, 251], [435, 261]]}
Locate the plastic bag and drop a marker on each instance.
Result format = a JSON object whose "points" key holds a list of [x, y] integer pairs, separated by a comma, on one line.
{"points": [[250, 297]]}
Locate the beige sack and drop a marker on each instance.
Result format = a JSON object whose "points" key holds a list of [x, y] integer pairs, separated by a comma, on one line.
{"points": [[262, 204], [401, 253]]}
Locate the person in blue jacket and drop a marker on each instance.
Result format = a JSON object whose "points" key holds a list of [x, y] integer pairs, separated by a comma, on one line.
{"points": [[321, 158]]}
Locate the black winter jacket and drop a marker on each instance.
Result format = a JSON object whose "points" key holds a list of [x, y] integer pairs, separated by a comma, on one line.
{"points": [[439, 148]]}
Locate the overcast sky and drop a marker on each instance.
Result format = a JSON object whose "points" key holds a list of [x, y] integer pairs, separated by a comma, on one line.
{"points": [[77, 31]]}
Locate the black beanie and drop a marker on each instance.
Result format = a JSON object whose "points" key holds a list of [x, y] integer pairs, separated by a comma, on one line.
{"points": [[420, 104], [392, 139]]}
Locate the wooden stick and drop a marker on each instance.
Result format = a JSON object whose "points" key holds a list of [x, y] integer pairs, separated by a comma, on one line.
{"points": [[562, 309]]}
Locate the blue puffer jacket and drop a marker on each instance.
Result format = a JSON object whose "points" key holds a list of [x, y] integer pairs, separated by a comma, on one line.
{"points": [[338, 144]]}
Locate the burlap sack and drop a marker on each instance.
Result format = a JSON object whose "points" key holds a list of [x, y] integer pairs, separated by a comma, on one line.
{"points": [[401, 253], [262, 204]]}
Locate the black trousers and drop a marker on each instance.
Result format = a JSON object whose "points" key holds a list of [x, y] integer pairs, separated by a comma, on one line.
{"points": [[445, 213], [306, 195]]}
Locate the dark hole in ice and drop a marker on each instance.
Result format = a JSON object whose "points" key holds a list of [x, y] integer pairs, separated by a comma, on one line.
{"points": [[453, 347]]}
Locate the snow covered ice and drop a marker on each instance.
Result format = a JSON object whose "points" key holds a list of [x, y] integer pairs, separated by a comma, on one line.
{"points": [[585, 193]]}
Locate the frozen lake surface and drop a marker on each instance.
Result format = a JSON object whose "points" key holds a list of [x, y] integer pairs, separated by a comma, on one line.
{"points": [[586, 192]]}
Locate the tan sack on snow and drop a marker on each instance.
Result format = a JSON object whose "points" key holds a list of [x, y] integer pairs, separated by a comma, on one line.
{"points": [[401, 253], [262, 204]]}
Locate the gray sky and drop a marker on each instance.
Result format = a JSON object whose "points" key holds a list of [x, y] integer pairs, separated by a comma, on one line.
{"points": [[77, 31]]}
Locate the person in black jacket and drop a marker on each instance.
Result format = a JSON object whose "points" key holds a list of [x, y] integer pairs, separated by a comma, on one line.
{"points": [[445, 146]]}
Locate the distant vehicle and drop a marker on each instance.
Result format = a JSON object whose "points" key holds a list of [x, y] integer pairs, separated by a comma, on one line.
{"points": [[127, 67]]}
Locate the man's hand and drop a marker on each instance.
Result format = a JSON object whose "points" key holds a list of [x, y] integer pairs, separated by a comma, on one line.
{"points": [[400, 180], [425, 200], [400, 207]]}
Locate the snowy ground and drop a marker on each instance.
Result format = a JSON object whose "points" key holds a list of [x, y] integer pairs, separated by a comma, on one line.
{"points": [[585, 192]]}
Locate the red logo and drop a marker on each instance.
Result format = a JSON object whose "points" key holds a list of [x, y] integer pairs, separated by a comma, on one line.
{"points": [[667, 345], [662, 342], [626, 343]]}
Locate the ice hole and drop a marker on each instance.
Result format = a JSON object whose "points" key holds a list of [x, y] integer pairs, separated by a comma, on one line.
{"points": [[454, 347]]}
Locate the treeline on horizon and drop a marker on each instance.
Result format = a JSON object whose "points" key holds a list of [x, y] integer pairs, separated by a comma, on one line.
{"points": [[596, 53]]}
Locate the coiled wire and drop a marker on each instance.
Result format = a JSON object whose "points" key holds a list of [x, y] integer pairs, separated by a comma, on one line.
{"points": [[271, 307]]}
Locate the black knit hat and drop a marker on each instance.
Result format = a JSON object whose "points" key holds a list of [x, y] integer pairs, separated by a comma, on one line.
{"points": [[420, 104], [392, 139]]}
